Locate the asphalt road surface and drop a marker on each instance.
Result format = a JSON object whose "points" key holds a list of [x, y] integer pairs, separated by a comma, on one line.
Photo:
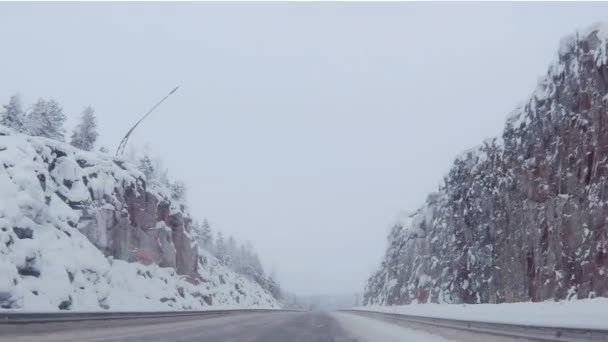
{"points": [[267, 327], [248, 327]]}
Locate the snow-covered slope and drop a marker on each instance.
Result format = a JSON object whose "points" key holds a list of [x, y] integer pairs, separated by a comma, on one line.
{"points": [[522, 217], [83, 231]]}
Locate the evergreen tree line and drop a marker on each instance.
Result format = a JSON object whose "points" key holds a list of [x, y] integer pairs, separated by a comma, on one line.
{"points": [[239, 257], [242, 258], [45, 118], [157, 175]]}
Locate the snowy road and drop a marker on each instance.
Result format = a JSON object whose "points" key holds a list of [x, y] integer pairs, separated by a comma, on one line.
{"points": [[260, 327]]}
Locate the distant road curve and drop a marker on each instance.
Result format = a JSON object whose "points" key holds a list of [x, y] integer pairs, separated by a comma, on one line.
{"points": [[485, 331]]}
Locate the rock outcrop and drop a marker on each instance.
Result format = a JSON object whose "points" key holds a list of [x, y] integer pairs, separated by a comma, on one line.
{"points": [[140, 225], [82, 230], [522, 217]]}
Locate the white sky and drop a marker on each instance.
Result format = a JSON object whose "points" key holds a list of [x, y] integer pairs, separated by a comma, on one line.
{"points": [[306, 128]]}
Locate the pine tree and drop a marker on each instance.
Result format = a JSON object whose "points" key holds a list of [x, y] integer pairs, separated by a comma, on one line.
{"points": [[178, 190], [251, 265], [145, 166], [195, 230], [231, 252], [206, 236], [85, 133], [161, 174], [46, 119], [256, 266], [220, 247], [242, 260], [12, 114]]}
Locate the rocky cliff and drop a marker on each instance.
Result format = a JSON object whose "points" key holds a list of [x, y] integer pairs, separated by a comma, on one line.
{"points": [[82, 230], [522, 217]]}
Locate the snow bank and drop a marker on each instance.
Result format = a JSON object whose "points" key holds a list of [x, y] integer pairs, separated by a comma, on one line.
{"points": [[373, 330], [583, 313], [59, 214]]}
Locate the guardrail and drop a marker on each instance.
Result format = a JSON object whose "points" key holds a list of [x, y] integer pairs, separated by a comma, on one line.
{"points": [[71, 316], [517, 331]]}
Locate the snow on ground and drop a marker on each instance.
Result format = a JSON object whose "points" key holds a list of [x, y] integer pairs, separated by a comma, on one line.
{"points": [[372, 330], [583, 313]]}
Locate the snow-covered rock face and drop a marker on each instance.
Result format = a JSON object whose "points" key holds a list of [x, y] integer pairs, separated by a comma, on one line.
{"points": [[520, 218], [80, 231]]}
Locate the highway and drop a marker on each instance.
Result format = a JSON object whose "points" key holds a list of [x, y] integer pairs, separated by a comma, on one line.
{"points": [[253, 327], [269, 326]]}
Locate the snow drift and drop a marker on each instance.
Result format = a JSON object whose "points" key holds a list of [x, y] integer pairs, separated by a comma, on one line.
{"points": [[581, 314], [83, 231]]}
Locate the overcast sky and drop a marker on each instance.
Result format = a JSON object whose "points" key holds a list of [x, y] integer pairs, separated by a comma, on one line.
{"points": [[306, 128]]}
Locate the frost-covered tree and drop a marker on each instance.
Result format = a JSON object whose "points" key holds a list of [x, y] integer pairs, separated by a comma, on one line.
{"points": [[206, 236], [85, 133], [145, 165], [12, 114], [46, 119], [256, 266], [242, 256], [178, 190], [250, 262], [220, 247], [232, 252], [161, 174], [156, 174], [104, 149], [195, 229]]}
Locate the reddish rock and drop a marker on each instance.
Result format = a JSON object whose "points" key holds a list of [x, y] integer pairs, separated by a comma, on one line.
{"points": [[522, 218]]}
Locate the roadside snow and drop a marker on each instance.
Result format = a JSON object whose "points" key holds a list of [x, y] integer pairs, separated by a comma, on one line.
{"points": [[583, 313], [372, 330]]}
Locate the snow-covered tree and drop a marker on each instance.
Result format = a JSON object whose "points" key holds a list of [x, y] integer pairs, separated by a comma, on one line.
{"points": [[104, 149], [178, 190], [232, 252], [206, 236], [145, 166], [220, 247], [85, 133], [242, 256], [250, 262], [46, 119], [12, 114], [256, 266], [161, 174]]}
